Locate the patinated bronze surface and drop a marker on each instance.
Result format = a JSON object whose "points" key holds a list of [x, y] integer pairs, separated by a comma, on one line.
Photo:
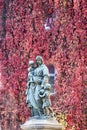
{"points": [[38, 89]]}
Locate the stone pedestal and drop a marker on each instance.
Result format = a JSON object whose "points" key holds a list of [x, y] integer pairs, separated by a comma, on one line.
{"points": [[42, 124]]}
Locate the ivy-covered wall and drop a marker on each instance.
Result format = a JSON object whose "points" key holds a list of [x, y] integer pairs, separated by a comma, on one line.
{"points": [[55, 29]]}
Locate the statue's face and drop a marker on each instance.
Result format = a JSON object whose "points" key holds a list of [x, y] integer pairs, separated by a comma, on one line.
{"points": [[39, 62], [32, 65]]}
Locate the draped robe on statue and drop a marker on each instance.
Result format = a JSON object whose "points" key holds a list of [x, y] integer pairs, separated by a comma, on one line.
{"points": [[40, 78]]}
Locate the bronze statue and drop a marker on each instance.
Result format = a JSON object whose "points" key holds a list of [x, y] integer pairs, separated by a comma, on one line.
{"points": [[38, 81], [38, 98]]}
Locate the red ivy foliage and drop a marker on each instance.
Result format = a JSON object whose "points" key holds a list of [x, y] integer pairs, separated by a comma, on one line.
{"points": [[56, 30]]}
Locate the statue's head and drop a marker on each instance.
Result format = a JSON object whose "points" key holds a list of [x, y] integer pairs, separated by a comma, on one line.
{"points": [[48, 86], [39, 60], [31, 63]]}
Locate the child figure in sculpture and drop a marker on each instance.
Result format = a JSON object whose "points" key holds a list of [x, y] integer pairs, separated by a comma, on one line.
{"points": [[45, 96]]}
